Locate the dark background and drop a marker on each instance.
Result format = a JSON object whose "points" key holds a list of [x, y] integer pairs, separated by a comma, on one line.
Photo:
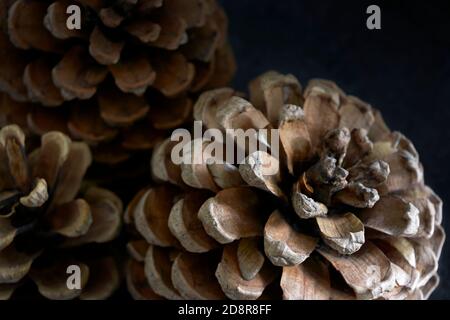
{"points": [[402, 69]]}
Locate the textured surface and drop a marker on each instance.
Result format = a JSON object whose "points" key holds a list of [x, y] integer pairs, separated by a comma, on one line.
{"points": [[99, 83], [403, 69]]}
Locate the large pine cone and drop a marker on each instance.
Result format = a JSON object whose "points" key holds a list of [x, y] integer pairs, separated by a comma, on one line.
{"points": [[347, 215], [45, 227], [129, 73]]}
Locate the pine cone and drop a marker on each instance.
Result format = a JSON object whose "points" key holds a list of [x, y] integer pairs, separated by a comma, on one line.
{"points": [[347, 215], [129, 73], [44, 228]]}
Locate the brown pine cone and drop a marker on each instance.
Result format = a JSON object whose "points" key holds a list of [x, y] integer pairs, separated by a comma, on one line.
{"points": [[346, 216], [46, 225], [130, 73]]}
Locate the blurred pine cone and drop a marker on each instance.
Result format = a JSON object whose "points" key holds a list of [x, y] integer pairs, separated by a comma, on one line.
{"points": [[46, 226], [118, 83], [347, 215]]}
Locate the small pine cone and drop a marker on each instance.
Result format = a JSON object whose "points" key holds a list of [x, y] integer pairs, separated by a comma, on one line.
{"points": [[129, 73], [346, 216], [46, 225]]}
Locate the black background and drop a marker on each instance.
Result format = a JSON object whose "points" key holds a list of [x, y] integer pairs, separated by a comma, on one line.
{"points": [[402, 69]]}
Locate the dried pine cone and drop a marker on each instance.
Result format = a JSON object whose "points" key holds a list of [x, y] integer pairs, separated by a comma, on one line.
{"points": [[347, 215], [44, 227], [129, 73]]}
